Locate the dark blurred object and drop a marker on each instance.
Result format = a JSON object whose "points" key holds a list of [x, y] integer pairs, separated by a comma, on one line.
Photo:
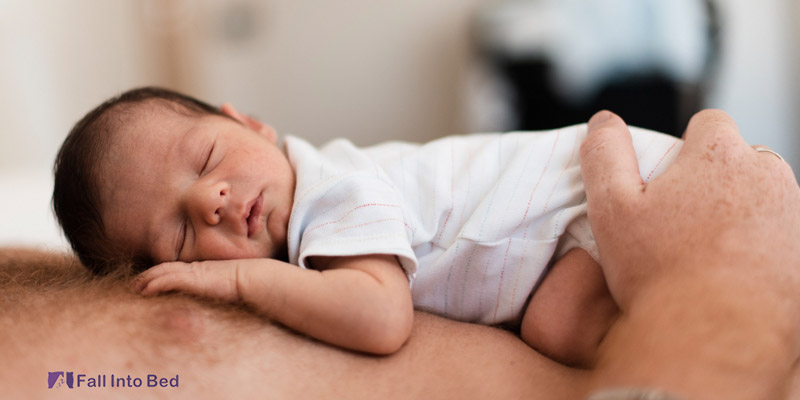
{"points": [[638, 69], [650, 101]]}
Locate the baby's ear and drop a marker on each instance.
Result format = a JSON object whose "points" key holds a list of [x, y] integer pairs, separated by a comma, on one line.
{"points": [[250, 122]]}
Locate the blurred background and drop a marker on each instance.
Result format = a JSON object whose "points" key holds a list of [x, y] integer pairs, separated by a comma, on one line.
{"points": [[376, 70]]}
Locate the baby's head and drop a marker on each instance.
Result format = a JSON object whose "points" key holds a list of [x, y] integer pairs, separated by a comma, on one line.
{"points": [[153, 175]]}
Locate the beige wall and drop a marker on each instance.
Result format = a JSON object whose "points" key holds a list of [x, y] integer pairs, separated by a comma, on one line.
{"points": [[365, 69], [59, 59]]}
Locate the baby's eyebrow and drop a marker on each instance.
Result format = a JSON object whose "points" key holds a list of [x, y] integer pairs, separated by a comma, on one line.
{"points": [[184, 140]]}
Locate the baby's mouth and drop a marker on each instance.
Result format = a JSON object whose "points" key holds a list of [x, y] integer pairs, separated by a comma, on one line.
{"points": [[254, 216]]}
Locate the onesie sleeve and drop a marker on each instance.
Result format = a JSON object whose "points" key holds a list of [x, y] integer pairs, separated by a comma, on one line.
{"points": [[349, 210]]}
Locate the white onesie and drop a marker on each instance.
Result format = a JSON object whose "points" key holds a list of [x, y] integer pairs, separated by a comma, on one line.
{"points": [[474, 220]]}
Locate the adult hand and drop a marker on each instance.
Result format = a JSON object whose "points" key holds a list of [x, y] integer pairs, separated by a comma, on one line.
{"points": [[719, 203], [703, 261]]}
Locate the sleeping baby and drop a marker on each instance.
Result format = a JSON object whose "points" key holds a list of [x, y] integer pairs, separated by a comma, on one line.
{"points": [[342, 243]]}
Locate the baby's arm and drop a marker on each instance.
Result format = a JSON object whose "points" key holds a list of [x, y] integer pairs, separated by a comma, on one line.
{"points": [[361, 303], [571, 311]]}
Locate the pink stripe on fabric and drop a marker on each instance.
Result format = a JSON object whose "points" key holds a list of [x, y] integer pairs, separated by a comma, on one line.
{"points": [[650, 175], [350, 212], [544, 171], [516, 280], [522, 221], [560, 175], [525, 234], [377, 221], [452, 193]]}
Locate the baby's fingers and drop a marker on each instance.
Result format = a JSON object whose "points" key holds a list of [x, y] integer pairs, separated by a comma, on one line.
{"points": [[145, 278], [214, 279], [185, 281]]}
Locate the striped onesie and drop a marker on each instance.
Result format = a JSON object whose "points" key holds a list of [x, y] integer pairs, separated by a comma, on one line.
{"points": [[474, 220]]}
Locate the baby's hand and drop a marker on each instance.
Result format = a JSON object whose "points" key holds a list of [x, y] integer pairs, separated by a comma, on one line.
{"points": [[214, 279]]}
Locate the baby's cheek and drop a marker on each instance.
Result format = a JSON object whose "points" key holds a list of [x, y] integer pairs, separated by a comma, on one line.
{"points": [[221, 246]]}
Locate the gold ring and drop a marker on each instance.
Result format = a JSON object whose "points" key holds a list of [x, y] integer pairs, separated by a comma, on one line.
{"points": [[761, 148]]}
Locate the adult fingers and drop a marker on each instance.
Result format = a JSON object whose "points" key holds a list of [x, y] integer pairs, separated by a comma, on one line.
{"points": [[713, 135], [608, 161]]}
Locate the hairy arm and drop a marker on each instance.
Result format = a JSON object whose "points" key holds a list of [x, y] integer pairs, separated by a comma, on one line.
{"points": [[361, 303]]}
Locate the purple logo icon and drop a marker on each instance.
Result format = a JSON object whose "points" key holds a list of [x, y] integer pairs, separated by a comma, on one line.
{"points": [[56, 379]]}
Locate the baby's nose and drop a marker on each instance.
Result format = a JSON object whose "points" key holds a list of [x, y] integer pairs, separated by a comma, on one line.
{"points": [[210, 202]]}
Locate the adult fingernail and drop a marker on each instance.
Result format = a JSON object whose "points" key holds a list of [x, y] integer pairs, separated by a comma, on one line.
{"points": [[599, 118]]}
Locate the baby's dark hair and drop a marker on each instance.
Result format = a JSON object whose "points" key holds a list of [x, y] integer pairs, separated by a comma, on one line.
{"points": [[76, 192]]}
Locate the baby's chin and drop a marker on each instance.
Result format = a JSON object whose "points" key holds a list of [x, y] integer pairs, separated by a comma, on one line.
{"points": [[264, 248], [276, 243]]}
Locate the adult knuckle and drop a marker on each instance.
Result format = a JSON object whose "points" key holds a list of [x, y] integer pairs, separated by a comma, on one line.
{"points": [[711, 117], [782, 174], [717, 129]]}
